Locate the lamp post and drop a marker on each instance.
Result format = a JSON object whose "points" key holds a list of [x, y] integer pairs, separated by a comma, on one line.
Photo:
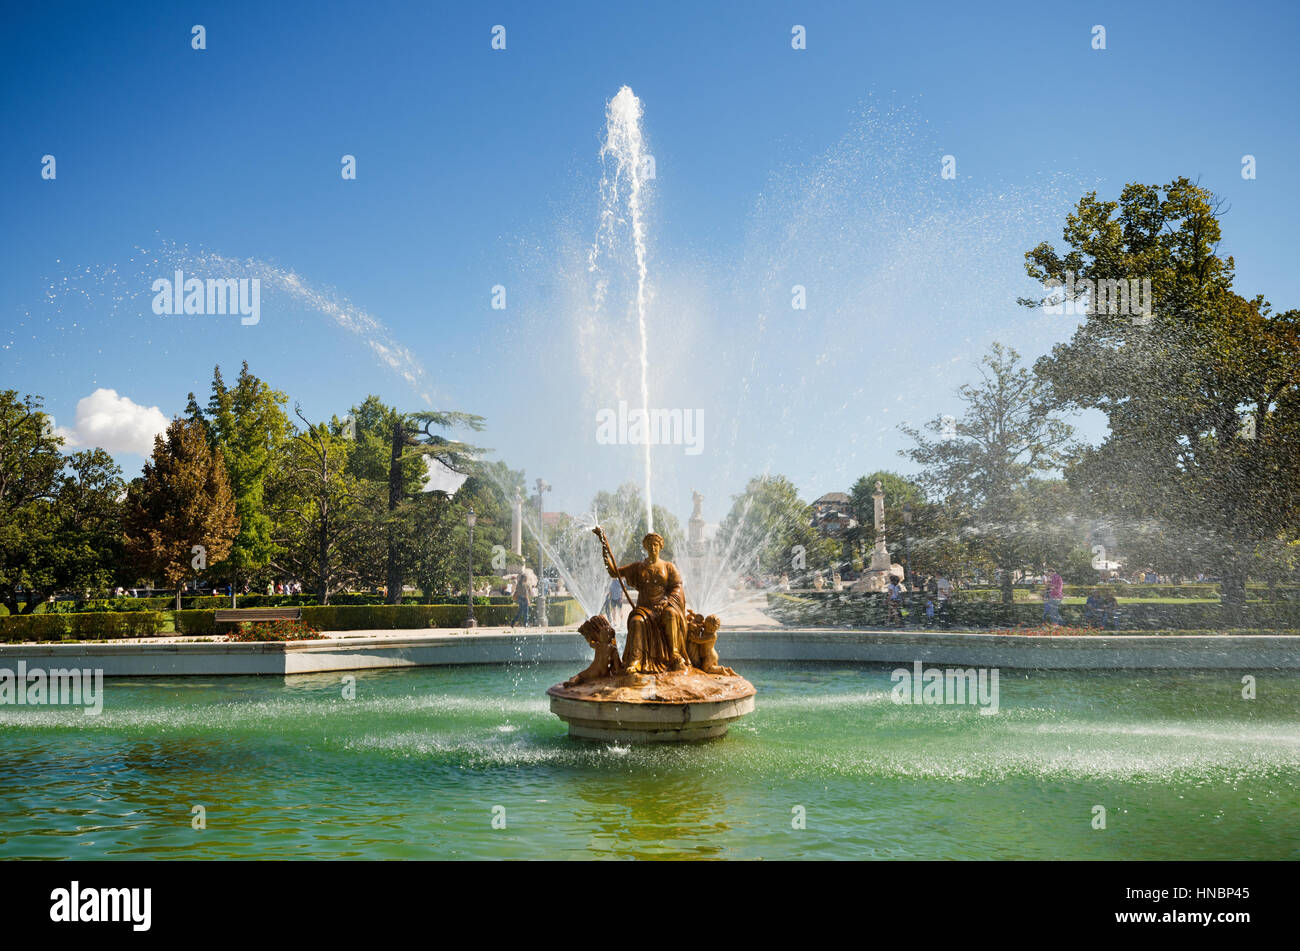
{"points": [[470, 519], [542, 486]]}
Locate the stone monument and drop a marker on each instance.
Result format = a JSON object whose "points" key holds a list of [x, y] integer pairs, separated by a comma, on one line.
{"points": [[876, 577], [695, 544]]}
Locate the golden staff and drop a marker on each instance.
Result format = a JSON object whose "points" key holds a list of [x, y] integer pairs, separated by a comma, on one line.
{"points": [[604, 544]]}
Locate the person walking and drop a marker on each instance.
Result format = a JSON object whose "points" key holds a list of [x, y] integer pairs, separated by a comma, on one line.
{"points": [[1092, 609], [524, 592], [894, 598], [1052, 595]]}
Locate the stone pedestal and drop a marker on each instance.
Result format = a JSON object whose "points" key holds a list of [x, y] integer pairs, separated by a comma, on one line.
{"points": [[675, 707]]}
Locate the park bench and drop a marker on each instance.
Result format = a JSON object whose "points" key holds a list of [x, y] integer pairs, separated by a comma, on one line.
{"points": [[236, 615]]}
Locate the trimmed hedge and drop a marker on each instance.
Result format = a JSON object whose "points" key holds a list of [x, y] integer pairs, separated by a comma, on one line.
{"points": [[103, 625], [206, 602], [835, 609], [195, 622], [92, 626], [32, 627], [1254, 591], [387, 617]]}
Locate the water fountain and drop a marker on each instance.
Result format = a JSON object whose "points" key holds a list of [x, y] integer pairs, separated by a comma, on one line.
{"points": [[667, 686]]}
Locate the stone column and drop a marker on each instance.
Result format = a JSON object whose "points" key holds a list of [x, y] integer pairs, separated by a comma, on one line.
{"points": [[517, 524], [696, 548], [880, 555]]}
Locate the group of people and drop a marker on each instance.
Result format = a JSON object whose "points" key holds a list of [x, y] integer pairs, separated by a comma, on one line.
{"points": [[1100, 610], [936, 590]]}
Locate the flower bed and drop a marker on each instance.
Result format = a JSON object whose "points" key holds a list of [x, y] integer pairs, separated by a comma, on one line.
{"points": [[283, 630]]}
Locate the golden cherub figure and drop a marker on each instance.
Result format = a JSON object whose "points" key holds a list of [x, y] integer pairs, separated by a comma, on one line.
{"points": [[600, 635], [701, 644]]}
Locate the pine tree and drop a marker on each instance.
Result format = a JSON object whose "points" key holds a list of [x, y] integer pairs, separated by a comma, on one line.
{"points": [[249, 426], [180, 514]]}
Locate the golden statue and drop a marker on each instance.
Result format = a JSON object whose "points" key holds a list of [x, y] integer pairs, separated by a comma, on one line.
{"points": [[668, 686], [656, 629]]}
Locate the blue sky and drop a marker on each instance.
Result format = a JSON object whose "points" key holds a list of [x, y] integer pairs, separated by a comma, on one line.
{"points": [[476, 167]]}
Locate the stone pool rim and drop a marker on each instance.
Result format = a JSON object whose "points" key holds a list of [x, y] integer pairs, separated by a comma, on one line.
{"points": [[375, 650]]}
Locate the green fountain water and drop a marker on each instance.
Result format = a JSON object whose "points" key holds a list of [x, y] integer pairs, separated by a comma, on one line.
{"points": [[414, 766]]}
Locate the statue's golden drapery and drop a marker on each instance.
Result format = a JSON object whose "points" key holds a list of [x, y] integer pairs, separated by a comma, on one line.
{"points": [[656, 629]]}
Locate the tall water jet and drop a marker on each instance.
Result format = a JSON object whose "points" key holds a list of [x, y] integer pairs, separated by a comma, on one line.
{"points": [[625, 145]]}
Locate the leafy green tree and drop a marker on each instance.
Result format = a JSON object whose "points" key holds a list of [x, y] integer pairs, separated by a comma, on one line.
{"points": [[769, 531], [1076, 567], [983, 468], [429, 544], [622, 515], [182, 500], [398, 447], [436, 545], [1201, 396], [325, 529], [60, 516], [1053, 533], [251, 428]]}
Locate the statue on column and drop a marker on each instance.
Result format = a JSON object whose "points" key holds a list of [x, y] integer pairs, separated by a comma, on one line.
{"points": [[695, 547], [876, 577]]}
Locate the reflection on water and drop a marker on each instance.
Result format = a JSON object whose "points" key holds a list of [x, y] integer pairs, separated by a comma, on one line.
{"points": [[414, 767]]}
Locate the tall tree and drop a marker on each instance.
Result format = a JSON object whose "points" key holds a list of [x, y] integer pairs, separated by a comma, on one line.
{"points": [[429, 543], [1202, 396], [398, 448], [984, 466], [60, 516], [250, 426], [320, 511], [180, 514], [413, 443], [769, 530]]}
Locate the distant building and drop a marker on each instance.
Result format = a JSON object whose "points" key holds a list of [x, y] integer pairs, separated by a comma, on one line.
{"points": [[833, 514]]}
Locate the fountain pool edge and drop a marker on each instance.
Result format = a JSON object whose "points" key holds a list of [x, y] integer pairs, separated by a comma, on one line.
{"points": [[368, 650]]}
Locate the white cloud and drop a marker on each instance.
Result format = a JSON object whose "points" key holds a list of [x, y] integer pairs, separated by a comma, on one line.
{"points": [[438, 476], [114, 423]]}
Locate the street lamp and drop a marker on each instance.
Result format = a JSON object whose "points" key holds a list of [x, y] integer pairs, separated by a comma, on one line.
{"points": [[542, 486], [470, 519]]}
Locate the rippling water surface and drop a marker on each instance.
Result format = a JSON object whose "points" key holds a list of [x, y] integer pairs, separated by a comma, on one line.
{"points": [[416, 765]]}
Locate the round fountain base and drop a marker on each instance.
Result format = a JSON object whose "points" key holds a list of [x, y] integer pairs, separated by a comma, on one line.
{"points": [[674, 707]]}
